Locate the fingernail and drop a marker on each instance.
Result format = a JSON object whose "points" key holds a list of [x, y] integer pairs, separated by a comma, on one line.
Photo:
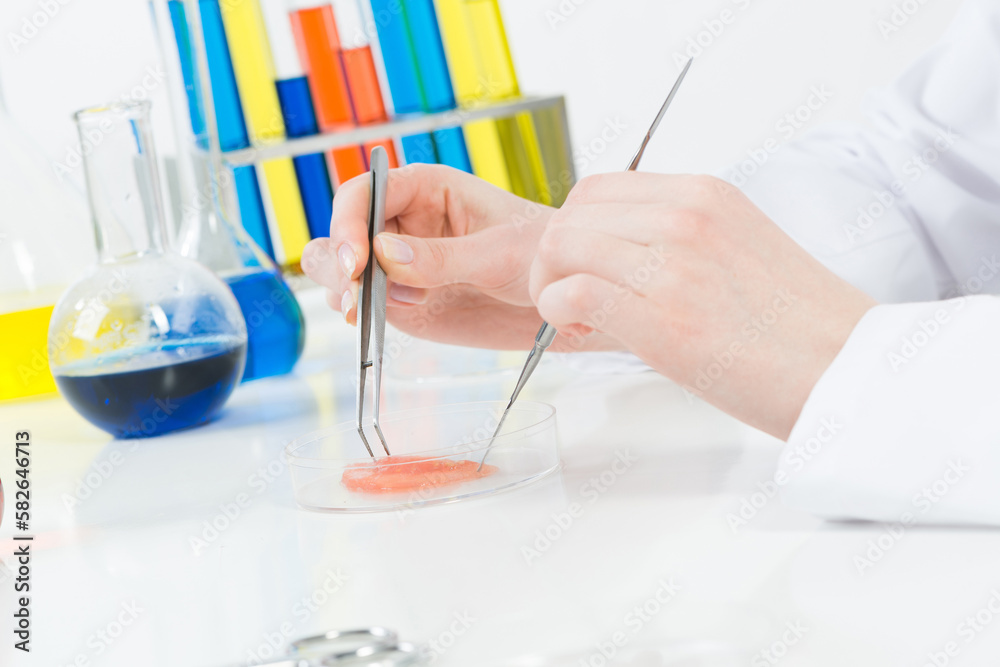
{"points": [[346, 303], [348, 260], [395, 250], [407, 294]]}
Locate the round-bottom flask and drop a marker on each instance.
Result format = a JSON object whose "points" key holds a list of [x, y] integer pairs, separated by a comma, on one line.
{"points": [[148, 341]]}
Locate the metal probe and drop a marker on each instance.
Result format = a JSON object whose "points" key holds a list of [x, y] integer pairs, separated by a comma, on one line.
{"points": [[548, 332]]}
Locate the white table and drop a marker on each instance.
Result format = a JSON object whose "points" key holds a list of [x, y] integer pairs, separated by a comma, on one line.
{"points": [[121, 561]]}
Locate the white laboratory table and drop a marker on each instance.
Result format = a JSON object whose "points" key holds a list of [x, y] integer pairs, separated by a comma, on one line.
{"points": [[127, 570]]}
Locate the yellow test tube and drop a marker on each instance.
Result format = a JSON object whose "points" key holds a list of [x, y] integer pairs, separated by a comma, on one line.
{"points": [[481, 137], [497, 80], [255, 76]]}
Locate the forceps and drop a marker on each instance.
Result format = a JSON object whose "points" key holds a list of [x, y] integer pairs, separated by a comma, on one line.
{"points": [[548, 332], [371, 302]]}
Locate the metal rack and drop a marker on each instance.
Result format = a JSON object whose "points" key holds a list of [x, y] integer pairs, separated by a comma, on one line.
{"points": [[400, 126]]}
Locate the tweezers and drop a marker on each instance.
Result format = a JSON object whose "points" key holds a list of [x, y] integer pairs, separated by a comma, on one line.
{"points": [[548, 332], [371, 302]]}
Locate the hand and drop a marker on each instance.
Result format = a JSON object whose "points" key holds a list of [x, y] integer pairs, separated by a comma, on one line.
{"points": [[456, 251], [690, 276]]}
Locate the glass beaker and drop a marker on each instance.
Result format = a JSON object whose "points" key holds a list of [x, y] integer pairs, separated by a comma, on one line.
{"points": [[41, 234], [148, 341]]}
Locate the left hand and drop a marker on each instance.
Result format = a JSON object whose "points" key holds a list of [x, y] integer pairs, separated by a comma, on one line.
{"points": [[688, 274]]}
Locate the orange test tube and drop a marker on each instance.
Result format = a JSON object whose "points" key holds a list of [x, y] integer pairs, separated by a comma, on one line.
{"points": [[319, 44], [362, 75]]}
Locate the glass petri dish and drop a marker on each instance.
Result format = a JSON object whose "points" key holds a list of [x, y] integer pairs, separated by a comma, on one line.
{"points": [[428, 445]]}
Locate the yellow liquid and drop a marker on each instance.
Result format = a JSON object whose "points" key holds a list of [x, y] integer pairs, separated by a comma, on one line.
{"points": [[555, 154], [254, 68], [494, 53], [482, 136], [24, 361], [484, 71]]}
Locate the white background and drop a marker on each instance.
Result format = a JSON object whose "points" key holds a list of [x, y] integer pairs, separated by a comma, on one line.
{"points": [[614, 59]]}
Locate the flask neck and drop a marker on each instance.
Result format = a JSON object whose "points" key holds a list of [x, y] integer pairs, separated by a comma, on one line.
{"points": [[123, 186]]}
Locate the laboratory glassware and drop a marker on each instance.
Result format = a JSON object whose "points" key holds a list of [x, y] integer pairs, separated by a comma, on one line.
{"points": [[148, 341], [43, 247], [209, 191], [435, 454], [274, 321], [547, 333]]}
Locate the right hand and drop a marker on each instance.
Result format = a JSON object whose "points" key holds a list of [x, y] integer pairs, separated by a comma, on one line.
{"points": [[457, 252]]}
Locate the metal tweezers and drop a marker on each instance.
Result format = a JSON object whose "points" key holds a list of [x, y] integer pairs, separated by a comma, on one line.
{"points": [[548, 332], [371, 302]]}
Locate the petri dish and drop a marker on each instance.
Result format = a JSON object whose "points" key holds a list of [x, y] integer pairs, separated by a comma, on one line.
{"points": [[326, 465]]}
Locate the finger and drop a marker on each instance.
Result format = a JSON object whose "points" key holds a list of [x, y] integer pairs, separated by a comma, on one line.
{"points": [[587, 301], [644, 224], [405, 295], [429, 200], [345, 301], [349, 225], [565, 251], [486, 259], [646, 188], [319, 262]]}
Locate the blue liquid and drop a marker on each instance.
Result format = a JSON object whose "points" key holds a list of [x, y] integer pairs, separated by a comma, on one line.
{"points": [[186, 387], [314, 179], [419, 148], [228, 110], [229, 122], [297, 107], [417, 71], [398, 57], [252, 207], [451, 150], [432, 66], [275, 327], [317, 193]]}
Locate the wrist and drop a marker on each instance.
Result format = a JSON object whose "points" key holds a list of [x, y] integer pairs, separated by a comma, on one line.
{"points": [[830, 325]]}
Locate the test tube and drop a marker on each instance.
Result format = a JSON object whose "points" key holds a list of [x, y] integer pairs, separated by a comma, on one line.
{"points": [[359, 69], [230, 128], [300, 119], [401, 75], [482, 136], [318, 42], [250, 51], [435, 80], [518, 135]]}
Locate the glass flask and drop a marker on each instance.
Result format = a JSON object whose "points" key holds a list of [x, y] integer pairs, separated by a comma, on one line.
{"points": [[43, 247], [209, 227], [274, 322], [148, 341]]}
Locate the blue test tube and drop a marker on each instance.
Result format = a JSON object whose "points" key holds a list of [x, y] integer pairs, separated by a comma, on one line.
{"points": [[229, 122], [402, 75], [300, 117], [435, 80]]}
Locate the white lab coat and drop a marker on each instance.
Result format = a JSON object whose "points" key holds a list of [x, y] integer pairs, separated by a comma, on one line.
{"points": [[904, 427]]}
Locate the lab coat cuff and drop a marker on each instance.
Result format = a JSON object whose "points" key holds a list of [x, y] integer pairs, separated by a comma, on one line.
{"points": [[870, 435]]}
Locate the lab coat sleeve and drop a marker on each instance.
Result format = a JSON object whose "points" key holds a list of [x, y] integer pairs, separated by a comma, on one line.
{"points": [[890, 204], [904, 427]]}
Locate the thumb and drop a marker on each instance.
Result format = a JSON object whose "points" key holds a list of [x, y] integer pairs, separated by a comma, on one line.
{"points": [[484, 259]]}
